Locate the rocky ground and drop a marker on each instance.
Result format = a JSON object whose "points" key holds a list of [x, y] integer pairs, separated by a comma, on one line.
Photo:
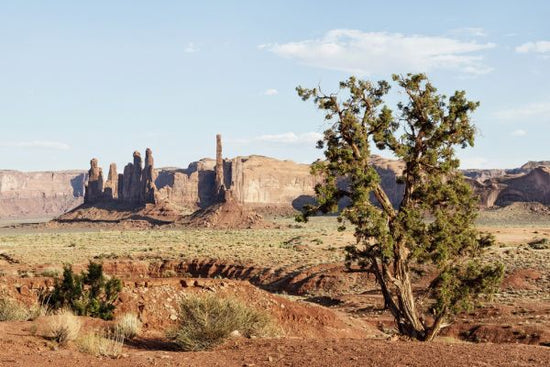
{"points": [[326, 316]]}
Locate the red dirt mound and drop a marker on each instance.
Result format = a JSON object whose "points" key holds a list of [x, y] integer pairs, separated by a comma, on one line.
{"points": [[117, 213], [226, 215]]}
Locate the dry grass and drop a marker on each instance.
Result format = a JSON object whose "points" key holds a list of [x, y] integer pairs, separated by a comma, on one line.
{"points": [[205, 321], [291, 244], [128, 326], [63, 327], [11, 310], [105, 344]]}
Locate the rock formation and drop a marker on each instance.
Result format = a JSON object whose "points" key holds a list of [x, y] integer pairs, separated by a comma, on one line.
{"points": [[111, 185], [148, 177], [136, 186], [94, 187], [134, 193], [219, 189], [257, 182], [34, 195]]}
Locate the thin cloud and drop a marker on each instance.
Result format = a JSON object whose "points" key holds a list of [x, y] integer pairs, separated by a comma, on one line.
{"points": [[284, 138], [537, 111], [469, 31], [271, 92], [36, 144], [291, 138], [539, 47], [381, 53], [518, 132], [190, 48]]}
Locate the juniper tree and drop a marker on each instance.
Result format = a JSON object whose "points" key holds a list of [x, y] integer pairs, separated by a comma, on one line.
{"points": [[434, 222]]}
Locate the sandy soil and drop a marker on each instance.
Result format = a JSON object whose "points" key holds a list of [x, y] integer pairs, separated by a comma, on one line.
{"points": [[17, 348], [332, 318]]}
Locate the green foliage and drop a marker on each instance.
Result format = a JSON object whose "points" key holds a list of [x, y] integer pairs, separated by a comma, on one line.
{"points": [[434, 223], [87, 294], [206, 321]]}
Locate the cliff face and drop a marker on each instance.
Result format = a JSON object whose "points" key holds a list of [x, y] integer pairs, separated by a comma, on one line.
{"points": [[135, 187], [39, 194], [255, 181], [533, 186]]}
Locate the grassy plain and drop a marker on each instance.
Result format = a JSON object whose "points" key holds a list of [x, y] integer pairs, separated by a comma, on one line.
{"points": [[289, 243]]}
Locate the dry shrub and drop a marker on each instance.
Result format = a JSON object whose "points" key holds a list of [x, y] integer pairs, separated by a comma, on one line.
{"points": [[205, 321], [63, 327], [37, 310], [11, 310], [106, 344], [128, 326]]}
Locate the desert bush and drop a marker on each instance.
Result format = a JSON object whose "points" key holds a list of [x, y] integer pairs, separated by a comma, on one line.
{"points": [[206, 321], [37, 310], [63, 327], [169, 273], [128, 326], [11, 310], [49, 273], [88, 294], [106, 344]]}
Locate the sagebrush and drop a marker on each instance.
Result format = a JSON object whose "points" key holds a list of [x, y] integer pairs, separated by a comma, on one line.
{"points": [[11, 310], [63, 327], [205, 321]]}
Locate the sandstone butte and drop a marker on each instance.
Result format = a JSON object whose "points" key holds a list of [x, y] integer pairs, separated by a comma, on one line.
{"points": [[262, 183]]}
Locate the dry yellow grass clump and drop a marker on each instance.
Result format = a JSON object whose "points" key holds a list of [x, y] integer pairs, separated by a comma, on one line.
{"points": [[128, 325], [63, 327], [205, 321], [11, 310], [105, 344]]}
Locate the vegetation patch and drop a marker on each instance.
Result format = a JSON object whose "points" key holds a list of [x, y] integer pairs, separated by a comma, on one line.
{"points": [[207, 320], [11, 310], [63, 327], [128, 326], [104, 344], [90, 293]]}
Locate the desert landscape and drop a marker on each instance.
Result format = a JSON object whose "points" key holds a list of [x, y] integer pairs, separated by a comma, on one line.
{"points": [[248, 184], [293, 270]]}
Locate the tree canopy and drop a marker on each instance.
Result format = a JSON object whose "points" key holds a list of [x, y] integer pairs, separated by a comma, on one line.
{"points": [[435, 222]]}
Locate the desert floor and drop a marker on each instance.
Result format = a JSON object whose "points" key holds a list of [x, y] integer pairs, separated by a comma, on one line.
{"points": [[325, 316]]}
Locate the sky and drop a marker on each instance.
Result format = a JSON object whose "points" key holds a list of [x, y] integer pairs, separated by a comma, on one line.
{"points": [[83, 79]]}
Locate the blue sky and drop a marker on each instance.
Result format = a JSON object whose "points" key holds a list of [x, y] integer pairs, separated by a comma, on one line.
{"points": [[104, 78]]}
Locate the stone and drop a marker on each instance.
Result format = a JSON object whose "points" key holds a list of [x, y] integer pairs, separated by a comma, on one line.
{"points": [[94, 186], [40, 194], [120, 187], [134, 195], [127, 181], [219, 178], [148, 177], [111, 185]]}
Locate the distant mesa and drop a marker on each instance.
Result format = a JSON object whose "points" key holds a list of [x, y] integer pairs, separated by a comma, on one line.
{"points": [[133, 199], [260, 184]]}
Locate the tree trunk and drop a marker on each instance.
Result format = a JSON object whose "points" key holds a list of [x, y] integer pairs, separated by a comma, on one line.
{"points": [[399, 297], [407, 304]]}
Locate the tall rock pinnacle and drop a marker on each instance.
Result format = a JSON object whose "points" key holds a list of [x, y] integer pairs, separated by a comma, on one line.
{"points": [[219, 167], [94, 187]]}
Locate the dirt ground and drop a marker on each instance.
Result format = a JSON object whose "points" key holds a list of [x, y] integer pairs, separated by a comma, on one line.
{"points": [[327, 317], [19, 349]]}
